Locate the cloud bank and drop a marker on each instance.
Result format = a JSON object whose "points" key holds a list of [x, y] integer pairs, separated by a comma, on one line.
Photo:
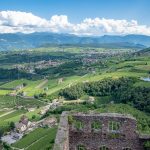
{"points": [[16, 21]]}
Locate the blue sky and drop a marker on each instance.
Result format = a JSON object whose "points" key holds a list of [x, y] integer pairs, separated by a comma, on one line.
{"points": [[69, 16], [77, 10]]}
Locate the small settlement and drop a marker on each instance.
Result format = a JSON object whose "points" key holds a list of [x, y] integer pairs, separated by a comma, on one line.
{"points": [[25, 125]]}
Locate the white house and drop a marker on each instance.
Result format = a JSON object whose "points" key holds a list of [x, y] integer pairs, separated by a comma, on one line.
{"points": [[23, 124], [20, 127]]}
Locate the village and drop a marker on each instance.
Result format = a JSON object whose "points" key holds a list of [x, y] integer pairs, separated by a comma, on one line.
{"points": [[31, 67], [24, 126]]}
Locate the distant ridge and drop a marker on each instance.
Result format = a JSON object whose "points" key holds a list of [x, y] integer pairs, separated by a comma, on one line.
{"points": [[145, 51], [12, 41]]}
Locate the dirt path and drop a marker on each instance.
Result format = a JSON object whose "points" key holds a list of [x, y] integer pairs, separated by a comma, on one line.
{"points": [[41, 84], [7, 113]]}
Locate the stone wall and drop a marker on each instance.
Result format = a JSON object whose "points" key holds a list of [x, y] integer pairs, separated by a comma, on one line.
{"points": [[61, 141], [69, 137], [125, 137]]}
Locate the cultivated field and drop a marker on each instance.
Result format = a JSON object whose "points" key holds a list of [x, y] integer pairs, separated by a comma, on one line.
{"points": [[43, 138]]}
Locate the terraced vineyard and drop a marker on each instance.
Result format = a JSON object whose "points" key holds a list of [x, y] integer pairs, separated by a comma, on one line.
{"points": [[41, 138]]}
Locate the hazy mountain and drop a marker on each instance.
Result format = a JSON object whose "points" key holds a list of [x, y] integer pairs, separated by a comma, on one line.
{"points": [[25, 41]]}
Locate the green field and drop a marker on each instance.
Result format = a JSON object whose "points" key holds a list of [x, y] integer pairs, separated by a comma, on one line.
{"points": [[138, 67], [12, 101], [69, 81], [2, 112], [16, 115], [30, 89], [32, 86], [14, 83], [43, 138], [5, 92], [143, 67], [53, 85], [12, 115]]}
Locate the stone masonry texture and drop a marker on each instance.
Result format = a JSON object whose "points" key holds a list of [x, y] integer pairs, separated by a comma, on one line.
{"points": [[125, 137]]}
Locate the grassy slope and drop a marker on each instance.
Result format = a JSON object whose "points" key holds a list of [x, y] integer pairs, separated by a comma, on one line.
{"points": [[53, 85], [135, 68]]}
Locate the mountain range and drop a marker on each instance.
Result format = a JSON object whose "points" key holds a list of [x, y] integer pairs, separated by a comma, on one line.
{"points": [[11, 41]]}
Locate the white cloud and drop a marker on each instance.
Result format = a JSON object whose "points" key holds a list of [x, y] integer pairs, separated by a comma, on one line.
{"points": [[60, 24], [16, 21]]}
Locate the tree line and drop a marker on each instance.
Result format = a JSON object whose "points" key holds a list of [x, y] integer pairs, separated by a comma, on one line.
{"points": [[120, 90]]}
